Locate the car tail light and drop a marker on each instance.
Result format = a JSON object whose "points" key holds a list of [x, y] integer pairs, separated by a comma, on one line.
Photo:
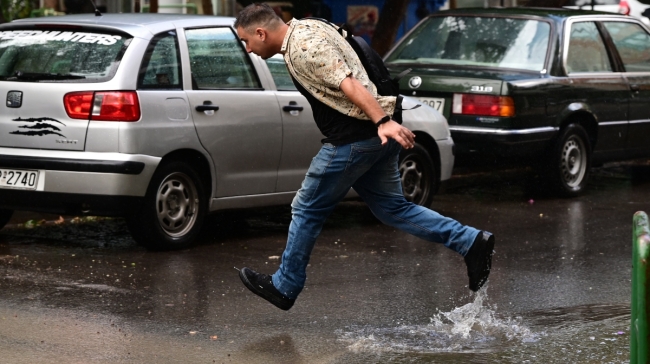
{"points": [[624, 7], [104, 105], [78, 104], [487, 105]]}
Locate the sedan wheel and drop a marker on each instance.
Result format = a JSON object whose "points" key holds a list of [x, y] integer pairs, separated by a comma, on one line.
{"points": [[569, 168], [417, 173], [173, 210], [573, 162]]}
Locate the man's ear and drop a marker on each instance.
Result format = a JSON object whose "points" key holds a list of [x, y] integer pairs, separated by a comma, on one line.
{"points": [[260, 33]]}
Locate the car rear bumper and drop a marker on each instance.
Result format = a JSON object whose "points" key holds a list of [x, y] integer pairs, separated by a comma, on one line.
{"points": [[505, 142], [73, 182]]}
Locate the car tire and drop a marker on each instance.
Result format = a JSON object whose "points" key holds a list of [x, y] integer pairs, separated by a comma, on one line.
{"points": [[571, 159], [173, 211], [5, 216], [418, 175]]}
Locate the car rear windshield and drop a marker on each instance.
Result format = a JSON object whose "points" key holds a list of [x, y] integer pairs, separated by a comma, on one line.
{"points": [[476, 41], [60, 56]]}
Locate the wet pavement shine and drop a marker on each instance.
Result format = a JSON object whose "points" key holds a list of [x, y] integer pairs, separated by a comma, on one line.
{"points": [[80, 290]]}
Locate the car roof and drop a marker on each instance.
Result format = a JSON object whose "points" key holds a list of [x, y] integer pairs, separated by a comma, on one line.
{"points": [[557, 14], [137, 24]]}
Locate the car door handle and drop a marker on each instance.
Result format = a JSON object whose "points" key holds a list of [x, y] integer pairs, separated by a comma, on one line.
{"points": [[635, 88], [207, 106], [293, 106]]}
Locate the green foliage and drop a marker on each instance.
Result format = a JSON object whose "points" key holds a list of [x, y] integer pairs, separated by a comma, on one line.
{"points": [[15, 9]]}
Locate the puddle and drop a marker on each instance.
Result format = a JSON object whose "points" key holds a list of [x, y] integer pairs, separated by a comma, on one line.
{"points": [[471, 328], [477, 333]]}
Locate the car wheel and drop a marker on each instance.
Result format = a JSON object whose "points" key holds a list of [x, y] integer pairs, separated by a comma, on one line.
{"points": [[5, 216], [570, 163], [418, 174], [173, 211]]}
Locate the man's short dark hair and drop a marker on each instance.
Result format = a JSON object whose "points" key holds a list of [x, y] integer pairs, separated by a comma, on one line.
{"points": [[257, 15]]}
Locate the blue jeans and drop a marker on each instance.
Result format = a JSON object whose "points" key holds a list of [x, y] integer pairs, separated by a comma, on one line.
{"points": [[371, 169]]}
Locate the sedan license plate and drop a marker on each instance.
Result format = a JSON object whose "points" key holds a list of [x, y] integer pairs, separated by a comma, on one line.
{"points": [[434, 102], [18, 178]]}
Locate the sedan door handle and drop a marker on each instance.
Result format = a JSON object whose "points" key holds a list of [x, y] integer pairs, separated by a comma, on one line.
{"points": [[207, 106], [293, 106], [635, 87]]}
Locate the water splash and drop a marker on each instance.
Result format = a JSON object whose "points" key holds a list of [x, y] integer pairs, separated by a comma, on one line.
{"points": [[471, 328]]}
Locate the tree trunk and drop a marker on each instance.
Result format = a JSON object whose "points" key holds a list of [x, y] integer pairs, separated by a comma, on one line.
{"points": [[207, 7], [390, 18]]}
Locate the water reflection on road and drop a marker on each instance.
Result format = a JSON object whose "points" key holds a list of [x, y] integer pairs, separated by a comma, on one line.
{"points": [[559, 292]]}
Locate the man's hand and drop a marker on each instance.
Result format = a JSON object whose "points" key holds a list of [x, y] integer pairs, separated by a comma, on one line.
{"points": [[361, 97], [395, 131]]}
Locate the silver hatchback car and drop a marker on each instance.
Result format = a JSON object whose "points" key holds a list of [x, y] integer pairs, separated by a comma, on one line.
{"points": [[162, 119]]}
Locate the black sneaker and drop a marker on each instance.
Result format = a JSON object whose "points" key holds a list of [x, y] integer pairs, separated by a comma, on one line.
{"points": [[479, 260], [262, 285]]}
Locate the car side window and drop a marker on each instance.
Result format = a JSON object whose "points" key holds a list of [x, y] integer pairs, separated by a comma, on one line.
{"points": [[587, 52], [218, 61], [280, 73], [161, 65], [632, 43]]}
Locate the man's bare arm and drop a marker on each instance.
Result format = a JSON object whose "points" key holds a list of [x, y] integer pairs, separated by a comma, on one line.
{"points": [[361, 97]]}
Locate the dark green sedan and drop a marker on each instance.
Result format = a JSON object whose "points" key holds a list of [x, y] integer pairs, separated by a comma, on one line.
{"points": [[558, 89]]}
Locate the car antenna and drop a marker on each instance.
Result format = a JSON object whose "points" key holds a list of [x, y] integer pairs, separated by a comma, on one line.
{"points": [[97, 12]]}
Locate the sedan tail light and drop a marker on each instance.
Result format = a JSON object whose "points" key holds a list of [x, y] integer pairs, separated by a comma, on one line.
{"points": [[104, 105], [486, 105], [624, 7]]}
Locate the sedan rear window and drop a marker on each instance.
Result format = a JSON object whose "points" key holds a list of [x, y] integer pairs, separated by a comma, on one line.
{"points": [[59, 56], [477, 41]]}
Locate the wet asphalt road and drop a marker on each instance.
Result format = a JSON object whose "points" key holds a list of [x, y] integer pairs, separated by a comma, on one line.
{"points": [[82, 291]]}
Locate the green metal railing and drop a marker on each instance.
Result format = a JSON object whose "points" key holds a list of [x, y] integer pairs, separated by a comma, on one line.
{"points": [[639, 325]]}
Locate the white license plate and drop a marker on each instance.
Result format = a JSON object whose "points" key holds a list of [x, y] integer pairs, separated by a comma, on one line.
{"points": [[434, 102], [18, 178]]}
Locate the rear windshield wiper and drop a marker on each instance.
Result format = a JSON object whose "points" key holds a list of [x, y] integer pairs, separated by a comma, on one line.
{"points": [[28, 76]]}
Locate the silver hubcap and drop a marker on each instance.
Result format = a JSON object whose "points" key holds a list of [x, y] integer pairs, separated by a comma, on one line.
{"points": [[177, 204], [574, 161], [412, 179]]}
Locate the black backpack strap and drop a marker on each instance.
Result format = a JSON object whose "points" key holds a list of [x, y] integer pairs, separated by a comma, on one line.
{"points": [[402, 74]]}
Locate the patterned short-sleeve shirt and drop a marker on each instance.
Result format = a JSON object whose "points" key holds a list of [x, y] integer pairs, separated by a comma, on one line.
{"points": [[320, 59]]}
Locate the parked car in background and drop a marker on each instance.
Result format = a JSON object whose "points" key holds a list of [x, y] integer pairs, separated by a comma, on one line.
{"points": [[163, 118], [560, 89], [635, 8]]}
